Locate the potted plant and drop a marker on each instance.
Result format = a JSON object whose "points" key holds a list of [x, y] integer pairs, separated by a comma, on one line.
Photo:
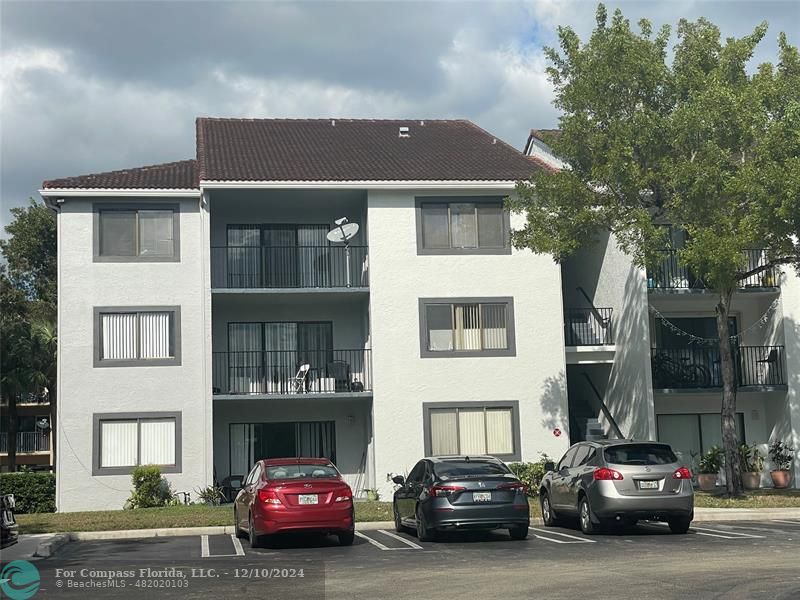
{"points": [[708, 469], [752, 464], [372, 494], [781, 455]]}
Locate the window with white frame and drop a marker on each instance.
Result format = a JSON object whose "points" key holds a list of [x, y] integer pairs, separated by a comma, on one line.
{"points": [[467, 327], [452, 225], [131, 336], [146, 232], [471, 429], [124, 441]]}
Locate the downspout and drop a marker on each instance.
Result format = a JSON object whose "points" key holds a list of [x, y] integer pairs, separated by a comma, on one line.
{"points": [[205, 286]]}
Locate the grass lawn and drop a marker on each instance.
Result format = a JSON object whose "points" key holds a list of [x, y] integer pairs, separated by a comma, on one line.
{"points": [[768, 498]]}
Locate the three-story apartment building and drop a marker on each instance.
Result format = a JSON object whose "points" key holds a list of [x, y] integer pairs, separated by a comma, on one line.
{"points": [[653, 370], [206, 319]]}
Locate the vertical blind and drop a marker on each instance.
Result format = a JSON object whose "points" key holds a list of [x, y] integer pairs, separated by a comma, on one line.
{"points": [[127, 443], [467, 327], [471, 431], [141, 335]]}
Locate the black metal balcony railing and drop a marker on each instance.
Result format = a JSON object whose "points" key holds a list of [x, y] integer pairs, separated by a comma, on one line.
{"points": [[288, 267], [29, 398], [279, 372], [588, 327], [27, 441], [699, 367], [670, 275]]}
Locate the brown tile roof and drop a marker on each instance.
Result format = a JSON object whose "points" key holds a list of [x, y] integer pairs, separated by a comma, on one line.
{"points": [[353, 150], [174, 175], [546, 135]]}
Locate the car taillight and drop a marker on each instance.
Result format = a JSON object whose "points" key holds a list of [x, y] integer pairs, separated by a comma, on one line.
{"points": [[346, 497], [513, 486], [682, 473], [268, 497], [442, 491], [606, 474]]}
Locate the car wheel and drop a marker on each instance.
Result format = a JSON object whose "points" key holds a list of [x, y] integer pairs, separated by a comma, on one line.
{"points": [[398, 523], [518, 533], [424, 533], [346, 538], [585, 517], [549, 517], [255, 540], [236, 529], [679, 525]]}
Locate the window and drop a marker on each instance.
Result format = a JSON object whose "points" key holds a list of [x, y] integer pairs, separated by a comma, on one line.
{"points": [[474, 428], [453, 469], [123, 441], [691, 435], [640, 454], [567, 459], [466, 327], [136, 232], [469, 225], [137, 336], [581, 455]]}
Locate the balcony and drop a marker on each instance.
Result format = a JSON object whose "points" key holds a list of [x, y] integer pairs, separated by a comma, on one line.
{"points": [[588, 336], [278, 372], [699, 367], [669, 275], [28, 442], [30, 399], [288, 267]]}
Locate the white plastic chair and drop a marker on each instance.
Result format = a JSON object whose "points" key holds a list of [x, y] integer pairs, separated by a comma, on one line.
{"points": [[299, 381]]}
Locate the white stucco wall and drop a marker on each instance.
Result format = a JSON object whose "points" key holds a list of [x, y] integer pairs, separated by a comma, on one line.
{"points": [[790, 424], [84, 390], [403, 381]]}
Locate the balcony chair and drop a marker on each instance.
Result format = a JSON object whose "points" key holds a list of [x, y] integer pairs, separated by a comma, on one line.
{"points": [[339, 370], [771, 367], [298, 382]]}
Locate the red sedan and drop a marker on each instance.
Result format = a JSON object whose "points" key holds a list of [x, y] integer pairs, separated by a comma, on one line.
{"points": [[294, 494]]}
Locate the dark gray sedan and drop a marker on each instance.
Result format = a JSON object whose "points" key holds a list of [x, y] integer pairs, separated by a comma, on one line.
{"points": [[618, 481], [460, 492]]}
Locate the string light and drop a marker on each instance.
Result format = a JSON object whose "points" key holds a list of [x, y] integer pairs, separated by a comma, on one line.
{"points": [[695, 339]]}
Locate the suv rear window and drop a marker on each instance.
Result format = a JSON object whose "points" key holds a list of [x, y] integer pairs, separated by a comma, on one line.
{"points": [[640, 454], [301, 471], [451, 469]]}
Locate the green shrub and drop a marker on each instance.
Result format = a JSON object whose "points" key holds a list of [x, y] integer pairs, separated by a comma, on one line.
{"points": [[33, 492], [531, 473], [150, 489]]}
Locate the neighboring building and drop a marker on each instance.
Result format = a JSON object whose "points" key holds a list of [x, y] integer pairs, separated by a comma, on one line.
{"points": [[192, 294], [626, 363], [34, 436]]}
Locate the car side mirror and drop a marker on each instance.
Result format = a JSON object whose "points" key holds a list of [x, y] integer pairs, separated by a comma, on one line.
{"points": [[549, 466], [399, 479]]}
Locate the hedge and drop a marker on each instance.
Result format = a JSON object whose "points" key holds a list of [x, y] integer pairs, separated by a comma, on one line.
{"points": [[33, 492]]}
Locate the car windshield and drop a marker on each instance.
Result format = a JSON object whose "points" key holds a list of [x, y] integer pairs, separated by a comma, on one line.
{"points": [[640, 454], [451, 469], [301, 471]]}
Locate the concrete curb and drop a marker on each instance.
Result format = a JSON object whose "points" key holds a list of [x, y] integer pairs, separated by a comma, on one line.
{"points": [[48, 548], [128, 534], [745, 514]]}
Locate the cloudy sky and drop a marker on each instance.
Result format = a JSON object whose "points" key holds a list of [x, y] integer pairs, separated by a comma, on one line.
{"points": [[95, 86]]}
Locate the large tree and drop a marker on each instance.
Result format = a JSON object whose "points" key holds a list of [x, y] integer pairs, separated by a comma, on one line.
{"points": [[697, 141], [28, 312]]}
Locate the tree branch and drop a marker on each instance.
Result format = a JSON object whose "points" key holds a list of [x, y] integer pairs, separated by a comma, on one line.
{"points": [[785, 260]]}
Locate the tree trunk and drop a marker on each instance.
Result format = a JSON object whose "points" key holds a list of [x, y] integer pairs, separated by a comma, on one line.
{"points": [[730, 441], [12, 433]]}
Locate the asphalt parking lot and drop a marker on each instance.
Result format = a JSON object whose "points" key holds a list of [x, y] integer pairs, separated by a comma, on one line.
{"points": [[714, 560]]}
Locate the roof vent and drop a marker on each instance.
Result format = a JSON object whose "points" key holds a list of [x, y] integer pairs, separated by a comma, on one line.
{"points": [[333, 122], [404, 133], [422, 123]]}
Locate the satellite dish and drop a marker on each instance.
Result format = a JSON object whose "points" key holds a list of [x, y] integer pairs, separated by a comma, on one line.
{"points": [[342, 234]]}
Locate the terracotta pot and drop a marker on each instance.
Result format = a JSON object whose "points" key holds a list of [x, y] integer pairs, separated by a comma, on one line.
{"points": [[707, 481], [751, 481], [781, 479]]}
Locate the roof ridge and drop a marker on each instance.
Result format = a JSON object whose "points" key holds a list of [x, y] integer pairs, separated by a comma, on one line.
{"points": [[493, 136], [326, 119]]}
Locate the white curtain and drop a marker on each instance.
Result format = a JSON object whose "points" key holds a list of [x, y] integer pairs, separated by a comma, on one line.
{"points": [[471, 431], [313, 259], [444, 432], [493, 320], [440, 326], [118, 331], [118, 443], [157, 442], [155, 233], [499, 438], [245, 358], [154, 335], [467, 327], [241, 449], [463, 226], [243, 260]]}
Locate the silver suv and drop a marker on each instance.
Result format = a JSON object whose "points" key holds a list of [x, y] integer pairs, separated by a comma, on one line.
{"points": [[618, 481]]}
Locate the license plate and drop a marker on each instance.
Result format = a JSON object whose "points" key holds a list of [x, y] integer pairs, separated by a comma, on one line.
{"points": [[648, 485], [481, 496], [309, 499]]}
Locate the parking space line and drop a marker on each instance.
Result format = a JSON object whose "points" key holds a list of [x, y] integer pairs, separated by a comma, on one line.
{"points": [[795, 523], [375, 543], [397, 537], [237, 545], [204, 546], [579, 540], [735, 534]]}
